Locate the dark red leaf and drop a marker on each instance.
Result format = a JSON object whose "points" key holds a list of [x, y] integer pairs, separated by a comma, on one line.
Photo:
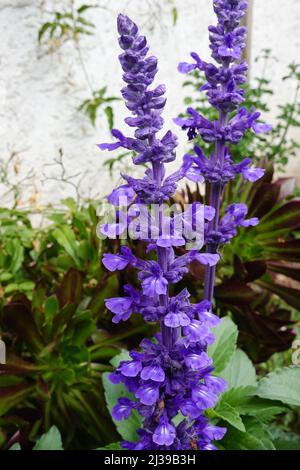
{"points": [[282, 250], [19, 318], [264, 200], [291, 270], [234, 292], [285, 217], [289, 294], [70, 290]]}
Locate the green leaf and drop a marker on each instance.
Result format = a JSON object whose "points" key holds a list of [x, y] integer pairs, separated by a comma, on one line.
{"points": [[43, 30], [174, 15], [229, 414], [51, 308], [284, 440], [110, 116], [26, 286], [262, 409], [256, 437], [123, 356], [283, 385], [85, 7], [11, 396], [66, 238], [126, 428], [222, 350], [16, 251], [50, 441], [16, 446], [4, 277], [112, 446], [239, 371], [70, 203]]}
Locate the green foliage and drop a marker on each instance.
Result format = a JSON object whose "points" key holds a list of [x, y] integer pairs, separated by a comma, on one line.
{"points": [[282, 385], [113, 446], [121, 160], [126, 429], [72, 24], [67, 24], [99, 100], [58, 333], [225, 343], [239, 371], [50, 441]]}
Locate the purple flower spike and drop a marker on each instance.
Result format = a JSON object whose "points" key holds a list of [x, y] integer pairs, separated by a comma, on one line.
{"points": [[172, 372], [223, 87]]}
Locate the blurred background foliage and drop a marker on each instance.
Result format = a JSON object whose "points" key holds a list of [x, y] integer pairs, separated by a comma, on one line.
{"points": [[59, 336]]}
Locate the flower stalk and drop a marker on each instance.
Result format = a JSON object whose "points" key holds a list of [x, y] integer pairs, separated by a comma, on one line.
{"points": [[171, 376], [225, 93]]}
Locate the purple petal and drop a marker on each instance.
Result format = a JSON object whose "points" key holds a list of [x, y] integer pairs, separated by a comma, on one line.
{"points": [[112, 230], [250, 222], [260, 128], [197, 361], [118, 305], [203, 397], [196, 330], [114, 262], [131, 368], [215, 433], [165, 433], [123, 409], [207, 258], [194, 174], [253, 174], [209, 212], [189, 408], [185, 67], [121, 196], [154, 373], [174, 320], [109, 147], [216, 384], [148, 394]]}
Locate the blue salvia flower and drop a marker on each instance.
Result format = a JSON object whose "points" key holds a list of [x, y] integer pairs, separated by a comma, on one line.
{"points": [[224, 92], [173, 373]]}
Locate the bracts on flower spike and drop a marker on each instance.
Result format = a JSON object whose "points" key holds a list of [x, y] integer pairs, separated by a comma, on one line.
{"points": [[224, 92], [172, 374]]}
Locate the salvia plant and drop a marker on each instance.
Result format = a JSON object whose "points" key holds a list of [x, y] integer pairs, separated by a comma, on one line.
{"points": [[225, 93], [171, 378]]}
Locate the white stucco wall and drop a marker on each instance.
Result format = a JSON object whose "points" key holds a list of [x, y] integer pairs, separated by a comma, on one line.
{"points": [[39, 92]]}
